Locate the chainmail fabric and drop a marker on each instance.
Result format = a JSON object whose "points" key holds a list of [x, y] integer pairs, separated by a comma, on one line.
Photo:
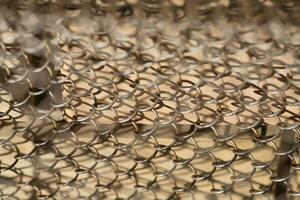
{"points": [[149, 99]]}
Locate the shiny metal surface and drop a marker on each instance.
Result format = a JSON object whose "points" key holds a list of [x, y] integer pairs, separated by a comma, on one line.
{"points": [[149, 99]]}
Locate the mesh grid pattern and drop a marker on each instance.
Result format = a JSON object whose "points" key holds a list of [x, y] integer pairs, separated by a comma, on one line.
{"points": [[149, 100]]}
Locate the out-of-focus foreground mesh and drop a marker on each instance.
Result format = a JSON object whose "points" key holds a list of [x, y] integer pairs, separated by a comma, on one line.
{"points": [[149, 99]]}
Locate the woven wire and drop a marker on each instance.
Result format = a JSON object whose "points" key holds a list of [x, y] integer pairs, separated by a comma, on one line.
{"points": [[149, 99]]}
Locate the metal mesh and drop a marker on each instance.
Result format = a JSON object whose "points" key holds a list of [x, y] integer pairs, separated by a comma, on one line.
{"points": [[149, 99]]}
